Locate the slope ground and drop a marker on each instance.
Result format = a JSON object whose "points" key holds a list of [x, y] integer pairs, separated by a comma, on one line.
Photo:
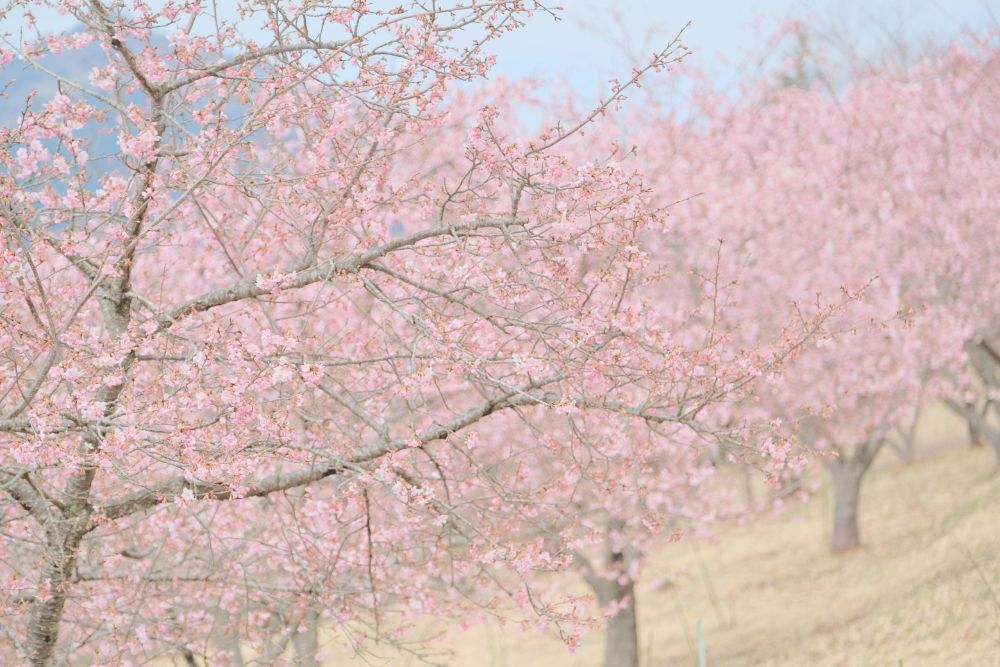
{"points": [[924, 590]]}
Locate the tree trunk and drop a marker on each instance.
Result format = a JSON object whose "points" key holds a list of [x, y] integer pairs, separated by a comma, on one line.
{"points": [[846, 481], [975, 434], [306, 641], [846, 473], [621, 648], [908, 446], [46, 612], [995, 441], [226, 637], [616, 589], [986, 361], [979, 425]]}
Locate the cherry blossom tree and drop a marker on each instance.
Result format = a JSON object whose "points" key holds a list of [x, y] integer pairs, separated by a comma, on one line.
{"points": [[282, 322], [876, 187], [299, 330], [608, 487]]}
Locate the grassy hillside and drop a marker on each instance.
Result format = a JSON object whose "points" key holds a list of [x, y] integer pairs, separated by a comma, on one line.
{"points": [[924, 590]]}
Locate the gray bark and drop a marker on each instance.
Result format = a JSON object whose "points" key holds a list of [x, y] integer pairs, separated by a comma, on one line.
{"points": [[306, 642], [846, 491], [975, 426], [621, 641], [46, 613], [64, 532], [846, 474], [621, 644], [986, 361], [980, 426], [907, 445], [226, 636]]}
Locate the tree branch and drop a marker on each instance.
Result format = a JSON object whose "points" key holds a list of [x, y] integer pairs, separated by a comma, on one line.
{"points": [[198, 490], [247, 287]]}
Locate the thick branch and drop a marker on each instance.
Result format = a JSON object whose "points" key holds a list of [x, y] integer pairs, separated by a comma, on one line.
{"points": [[247, 288], [971, 415], [277, 49], [16, 426], [282, 481], [29, 497]]}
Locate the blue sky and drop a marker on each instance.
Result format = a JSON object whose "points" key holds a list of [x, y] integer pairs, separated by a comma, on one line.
{"points": [[594, 38], [590, 43]]}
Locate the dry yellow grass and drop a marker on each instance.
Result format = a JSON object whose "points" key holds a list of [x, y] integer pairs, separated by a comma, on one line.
{"points": [[924, 590]]}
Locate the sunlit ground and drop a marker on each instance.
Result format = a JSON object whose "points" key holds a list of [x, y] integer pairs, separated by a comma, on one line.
{"points": [[925, 589]]}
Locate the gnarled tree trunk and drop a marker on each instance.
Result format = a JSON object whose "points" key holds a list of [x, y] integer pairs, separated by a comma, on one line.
{"points": [[846, 481], [46, 612], [976, 438], [64, 530], [621, 640], [615, 589], [907, 445], [846, 474], [306, 641], [979, 427], [986, 361]]}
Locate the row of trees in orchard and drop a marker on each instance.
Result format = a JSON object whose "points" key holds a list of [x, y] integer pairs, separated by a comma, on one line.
{"points": [[301, 328], [882, 186]]}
